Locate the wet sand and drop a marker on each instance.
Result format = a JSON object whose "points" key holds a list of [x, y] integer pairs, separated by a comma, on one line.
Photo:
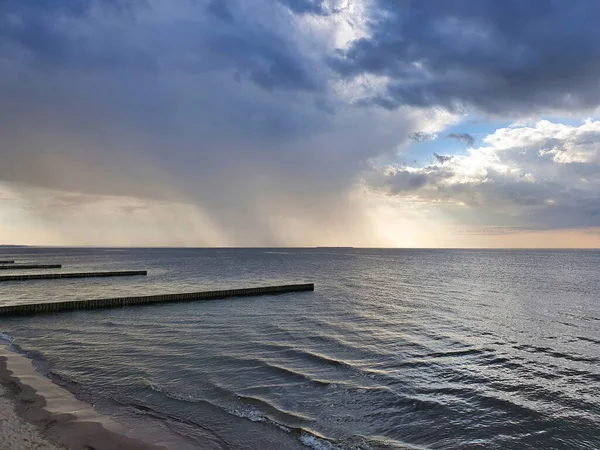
{"points": [[15, 433], [37, 414]]}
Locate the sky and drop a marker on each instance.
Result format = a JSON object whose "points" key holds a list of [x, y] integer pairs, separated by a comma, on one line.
{"points": [[367, 123]]}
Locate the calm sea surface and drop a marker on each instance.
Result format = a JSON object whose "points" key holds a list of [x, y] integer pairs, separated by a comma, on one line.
{"points": [[395, 349]]}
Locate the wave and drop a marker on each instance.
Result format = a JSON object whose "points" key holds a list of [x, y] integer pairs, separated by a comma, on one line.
{"points": [[40, 363], [587, 339], [496, 403], [555, 354], [355, 442], [270, 410], [357, 367], [571, 373], [248, 412], [257, 409], [6, 339], [189, 398], [287, 373], [248, 408], [260, 410], [254, 410], [319, 358], [455, 353], [316, 443], [182, 427], [365, 373]]}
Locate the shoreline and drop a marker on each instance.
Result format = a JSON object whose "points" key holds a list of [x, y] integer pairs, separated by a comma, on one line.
{"points": [[60, 418]]}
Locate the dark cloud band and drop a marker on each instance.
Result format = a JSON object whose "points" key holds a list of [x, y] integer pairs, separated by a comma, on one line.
{"points": [[508, 57]]}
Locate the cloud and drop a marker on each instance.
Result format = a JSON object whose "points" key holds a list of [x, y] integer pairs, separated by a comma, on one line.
{"points": [[262, 121], [540, 177], [219, 9], [501, 58], [442, 158], [422, 136], [145, 36], [235, 115], [317, 7], [466, 138]]}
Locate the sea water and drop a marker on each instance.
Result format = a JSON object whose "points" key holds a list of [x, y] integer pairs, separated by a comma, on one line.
{"points": [[395, 349]]}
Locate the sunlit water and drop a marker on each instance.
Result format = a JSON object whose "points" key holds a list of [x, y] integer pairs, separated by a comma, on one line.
{"points": [[394, 349]]}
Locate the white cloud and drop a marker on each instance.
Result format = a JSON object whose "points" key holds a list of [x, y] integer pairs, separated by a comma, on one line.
{"points": [[543, 176]]}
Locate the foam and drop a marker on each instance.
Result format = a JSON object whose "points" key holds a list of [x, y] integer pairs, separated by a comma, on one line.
{"points": [[316, 443]]}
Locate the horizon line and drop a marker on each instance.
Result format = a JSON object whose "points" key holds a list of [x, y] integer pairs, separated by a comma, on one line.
{"points": [[311, 247]]}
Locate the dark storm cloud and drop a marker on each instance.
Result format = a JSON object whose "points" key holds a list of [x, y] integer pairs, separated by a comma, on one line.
{"points": [[266, 59], [316, 7], [40, 28], [76, 34], [500, 57], [402, 181], [78, 78], [232, 106], [422, 136], [220, 10], [442, 158], [174, 75], [465, 138], [215, 103]]}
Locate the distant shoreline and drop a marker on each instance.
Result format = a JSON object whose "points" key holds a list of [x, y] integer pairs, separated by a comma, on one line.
{"points": [[158, 247], [330, 248]]}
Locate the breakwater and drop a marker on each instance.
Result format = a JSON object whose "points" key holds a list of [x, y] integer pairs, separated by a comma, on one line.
{"points": [[30, 266], [52, 276], [36, 308]]}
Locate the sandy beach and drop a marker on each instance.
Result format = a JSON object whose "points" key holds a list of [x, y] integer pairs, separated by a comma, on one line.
{"points": [[37, 414], [15, 433]]}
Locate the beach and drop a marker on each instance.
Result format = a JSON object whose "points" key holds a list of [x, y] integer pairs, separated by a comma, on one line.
{"points": [[37, 414], [15, 433]]}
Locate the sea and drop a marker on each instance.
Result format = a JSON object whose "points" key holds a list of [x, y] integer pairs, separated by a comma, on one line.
{"points": [[395, 349]]}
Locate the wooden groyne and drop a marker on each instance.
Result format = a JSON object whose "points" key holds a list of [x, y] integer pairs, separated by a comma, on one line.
{"points": [[7, 262], [36, 308], [30, 266], [52, 276]]}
